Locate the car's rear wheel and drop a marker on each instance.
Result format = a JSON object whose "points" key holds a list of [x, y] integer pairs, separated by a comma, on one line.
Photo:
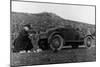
{"points": [[88, 41], [56, 42], [43, 44]]}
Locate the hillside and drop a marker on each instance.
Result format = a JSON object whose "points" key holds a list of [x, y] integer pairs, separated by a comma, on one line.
{"points": [[44, 21]]}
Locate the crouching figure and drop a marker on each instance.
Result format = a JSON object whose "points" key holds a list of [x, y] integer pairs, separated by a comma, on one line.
{"points": [[23, 42]]}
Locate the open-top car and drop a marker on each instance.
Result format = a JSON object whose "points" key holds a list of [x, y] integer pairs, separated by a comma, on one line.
{"points": [[59, 37]]}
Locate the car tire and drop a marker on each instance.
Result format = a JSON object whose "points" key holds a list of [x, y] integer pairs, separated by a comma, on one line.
{"points": [[56, 42], [88, 41], [43, 44]]}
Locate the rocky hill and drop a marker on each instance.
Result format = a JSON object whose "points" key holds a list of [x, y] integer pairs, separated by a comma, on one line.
{"points": [[44, 21]]}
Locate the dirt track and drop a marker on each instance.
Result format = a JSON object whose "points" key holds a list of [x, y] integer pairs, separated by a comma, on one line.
{"points": [[67, 55]]}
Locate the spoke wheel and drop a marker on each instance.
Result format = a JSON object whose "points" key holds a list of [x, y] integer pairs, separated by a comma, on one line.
{"points": [[56, 43], [88, 41]]}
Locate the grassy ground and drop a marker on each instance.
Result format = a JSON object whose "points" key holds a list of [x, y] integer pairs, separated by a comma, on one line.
{"points": [[67, 55]]}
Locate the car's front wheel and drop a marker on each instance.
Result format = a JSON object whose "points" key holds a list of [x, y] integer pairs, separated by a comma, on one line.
{"points": [[56, 42]]}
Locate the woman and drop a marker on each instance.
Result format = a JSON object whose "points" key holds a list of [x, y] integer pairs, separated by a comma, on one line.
{"points": [[23, 42]]}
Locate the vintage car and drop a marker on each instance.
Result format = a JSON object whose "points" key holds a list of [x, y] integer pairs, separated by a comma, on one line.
{"points": [[59, 37]]}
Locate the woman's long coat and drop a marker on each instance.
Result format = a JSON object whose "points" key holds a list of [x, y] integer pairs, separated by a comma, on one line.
{"points": [[22, 42]]}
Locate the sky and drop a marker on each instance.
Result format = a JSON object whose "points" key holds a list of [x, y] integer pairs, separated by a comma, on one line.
{"points": [[85, 14]]}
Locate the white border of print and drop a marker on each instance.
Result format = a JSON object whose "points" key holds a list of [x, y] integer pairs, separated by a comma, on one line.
{"points": [[5, 33]]}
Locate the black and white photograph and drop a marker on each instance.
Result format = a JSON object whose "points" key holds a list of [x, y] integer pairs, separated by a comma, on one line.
{"points": [[44, 33]]}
